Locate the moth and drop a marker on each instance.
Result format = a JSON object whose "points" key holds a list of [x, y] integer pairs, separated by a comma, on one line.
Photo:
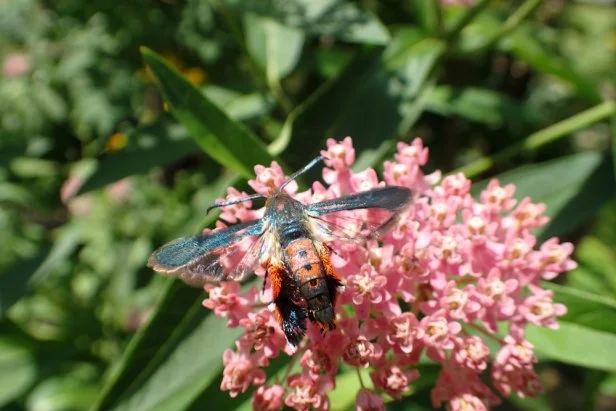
{"points": [[291, 243]]}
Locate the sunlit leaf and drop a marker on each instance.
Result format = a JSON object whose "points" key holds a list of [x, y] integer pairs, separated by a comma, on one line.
{"points": [[17, 369], [475, 104], [340, 19], [228, 142], [526, 47], [584, 308], [275, 47], [575, 344]]}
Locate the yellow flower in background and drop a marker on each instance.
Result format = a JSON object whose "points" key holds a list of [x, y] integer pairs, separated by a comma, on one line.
{"points": [[195, 75], [611, 40], [116, 142]]}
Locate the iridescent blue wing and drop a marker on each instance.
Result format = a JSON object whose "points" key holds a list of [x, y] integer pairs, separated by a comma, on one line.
{"points": [[359, 216], [227, 254]]}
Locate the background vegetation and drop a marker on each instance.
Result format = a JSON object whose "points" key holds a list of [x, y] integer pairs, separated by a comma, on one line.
{"points": [[96, 171]]}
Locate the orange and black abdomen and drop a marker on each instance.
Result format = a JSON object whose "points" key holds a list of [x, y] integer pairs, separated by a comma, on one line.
{"points": [[307, 269]]}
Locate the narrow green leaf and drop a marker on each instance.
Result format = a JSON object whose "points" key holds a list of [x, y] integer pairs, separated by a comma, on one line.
{"points": [[193, 363], [527, 48], [14, 280], [152, 342], [608, 386], [160, 348], [575, 344], [149, 146], [17, 369], [61, 393], [542, 138], [22, 276], [305, 128], [599, 260], [274, 46], [572, 188], [585, 309], [228, 142], [340, 19], [475, 104], [379, 95]]}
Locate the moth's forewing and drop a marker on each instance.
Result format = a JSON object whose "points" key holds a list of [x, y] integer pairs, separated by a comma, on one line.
{"points": [[391, 198], [208, 257], [359, 216]]}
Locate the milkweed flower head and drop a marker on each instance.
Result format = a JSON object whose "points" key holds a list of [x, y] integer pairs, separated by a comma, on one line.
{"points": [[449, 274]]}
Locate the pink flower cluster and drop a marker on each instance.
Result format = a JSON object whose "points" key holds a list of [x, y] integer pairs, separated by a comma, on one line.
{"points": [[453, 273]]}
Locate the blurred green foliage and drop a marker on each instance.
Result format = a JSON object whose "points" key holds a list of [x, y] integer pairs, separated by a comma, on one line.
{"points": [[103, 159]]}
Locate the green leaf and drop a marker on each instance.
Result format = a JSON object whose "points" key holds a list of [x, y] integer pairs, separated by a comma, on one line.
{"points": [[230, 143], [585, 309], [598, 264], [573, 188], [475, 104], [275, 47], [378, 95], [61, 393], [171, 360], [575, 344], [608, 386], [149, 146], [526, 47], [173, 319], [22, 276], [340, 19], [17, 369], [194, 362], [391, 99]]}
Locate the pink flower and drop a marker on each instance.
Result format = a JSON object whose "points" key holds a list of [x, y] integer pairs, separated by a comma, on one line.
{"points": [[319, 360], [393, 380], [240, 372], [263, 335], [360, 352], [472, 353], [539, 309], [402, 330], [366, 288], [339, 155], [513, 369], [225, 301], [268, 398], [15, 65], [369, 401], [268, 179], [449, 265], [466, 402], [308, 393], [438, 332]]}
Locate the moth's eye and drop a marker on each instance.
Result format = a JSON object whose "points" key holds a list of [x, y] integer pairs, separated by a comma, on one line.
{"points": [[313, 282]]}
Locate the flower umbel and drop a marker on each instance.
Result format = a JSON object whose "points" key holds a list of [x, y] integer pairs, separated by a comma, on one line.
{"points": [[446, 275]]}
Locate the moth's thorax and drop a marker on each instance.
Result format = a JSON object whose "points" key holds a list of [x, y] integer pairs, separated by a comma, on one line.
{"points": [[287, 218]]}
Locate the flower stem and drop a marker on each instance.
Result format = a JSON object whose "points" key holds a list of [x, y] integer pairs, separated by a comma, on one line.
{"points": [[361, 381], [485, 332], [510, 24], [540, 138], [468, 16], [291, 364]]}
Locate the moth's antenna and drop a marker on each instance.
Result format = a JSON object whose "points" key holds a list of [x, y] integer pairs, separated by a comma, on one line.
{"points": [[231, 202], [302, 171]]}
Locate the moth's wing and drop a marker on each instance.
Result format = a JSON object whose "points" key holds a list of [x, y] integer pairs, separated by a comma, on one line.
{"points": [[359, 216], [211, 257], [265, 245]]}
